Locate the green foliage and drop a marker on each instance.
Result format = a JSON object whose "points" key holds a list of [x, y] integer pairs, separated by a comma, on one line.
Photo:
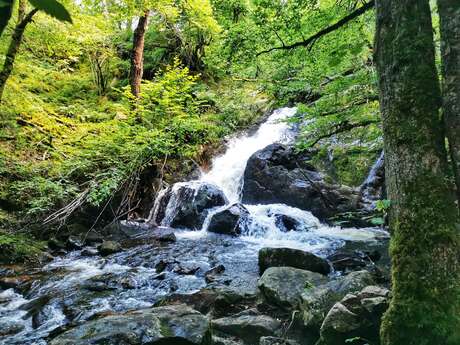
{"points": [[18, 248]]}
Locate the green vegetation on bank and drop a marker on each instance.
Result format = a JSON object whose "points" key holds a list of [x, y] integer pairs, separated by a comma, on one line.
{"points": [[74, 137]]}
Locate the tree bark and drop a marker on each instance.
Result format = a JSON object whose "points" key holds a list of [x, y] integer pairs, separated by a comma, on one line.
{"points": [[449, 13], [137, 57], [424, 309], [13, 48]]}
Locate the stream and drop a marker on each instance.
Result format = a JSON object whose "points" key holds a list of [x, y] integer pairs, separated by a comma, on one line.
{"points": [[78, 287]]}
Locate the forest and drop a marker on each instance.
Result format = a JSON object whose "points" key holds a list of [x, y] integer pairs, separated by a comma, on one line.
{"points": [[230, 172]]}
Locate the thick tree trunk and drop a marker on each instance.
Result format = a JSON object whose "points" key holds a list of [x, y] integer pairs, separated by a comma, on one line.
{"points": [[137, 57], [449, 12], [13, 48], [423, 218]]}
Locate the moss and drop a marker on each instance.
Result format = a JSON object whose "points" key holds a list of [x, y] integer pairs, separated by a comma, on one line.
{"points": [[19, 248]]}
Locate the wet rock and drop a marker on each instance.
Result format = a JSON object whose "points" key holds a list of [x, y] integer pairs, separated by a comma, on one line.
{"points": [[276, 341], [230, 221], [352, 261], [162, 234], [277, 174], [89, 251], [74, 243], [186, 269], [211, 275], [92, 237], [249, 326], [283, 286], [20, 282], [9, 328], [34, 310], [218, 302], [225, 341], [160, 266], [356, 315], [109, 247], [280, 257], [317, 301], [185, 205], [103, 282], [286, 223], [56, 245], [169, 325]]}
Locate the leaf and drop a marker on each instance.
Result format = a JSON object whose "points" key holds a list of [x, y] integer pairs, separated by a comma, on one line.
{"points": [[52, 8], [6, 8]]}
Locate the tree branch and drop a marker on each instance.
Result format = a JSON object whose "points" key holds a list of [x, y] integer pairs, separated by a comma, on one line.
{"points": [[312, 39], [343, 127]]}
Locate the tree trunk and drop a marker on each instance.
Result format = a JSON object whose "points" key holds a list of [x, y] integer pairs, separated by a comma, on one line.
{"points": [[13, 49], [449, 12], [137, 57], [424, 309]]}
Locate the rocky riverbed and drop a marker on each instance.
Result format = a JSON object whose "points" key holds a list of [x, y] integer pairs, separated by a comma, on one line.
{"points": [[229, 259]]}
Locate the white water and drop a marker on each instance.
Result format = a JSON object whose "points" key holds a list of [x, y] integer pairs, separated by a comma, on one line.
{"points": [[67, 276], [227, 170], [227, 173]]}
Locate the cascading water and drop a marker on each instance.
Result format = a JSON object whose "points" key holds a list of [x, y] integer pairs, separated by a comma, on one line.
{"points": [[80, 287], [227, 170]]}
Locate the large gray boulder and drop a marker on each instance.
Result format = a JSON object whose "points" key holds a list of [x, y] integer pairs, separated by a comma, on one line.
{"points": [[229, 221], [186, 204], [277, 174], [355, 316], [283, 286], [248, 326], [172, 325], [280, 257], [316, 301]]}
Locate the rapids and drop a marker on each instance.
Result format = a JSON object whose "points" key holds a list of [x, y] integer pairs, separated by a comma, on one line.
{"points": [[79, 288]]}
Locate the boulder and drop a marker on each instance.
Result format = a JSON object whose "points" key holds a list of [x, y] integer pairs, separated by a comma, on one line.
{"points": [[109, 247], [249, 326], [286, 223], [283, 286], [185, 205], [279, 257], [317, 301], [277, 174], [229, 221], [276, 341], [355, 316], [169, 325]]}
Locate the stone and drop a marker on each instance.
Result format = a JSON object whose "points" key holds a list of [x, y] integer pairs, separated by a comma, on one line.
{"points": [[279, 257], [276, 341], [278, 174], [89, 251], [249, 326], [229, 221], [286, 223], [109, 247], [317, 301], [283, 286], [186, 204], [169, 325], [211, 275], [355, 316], [10, 328]]}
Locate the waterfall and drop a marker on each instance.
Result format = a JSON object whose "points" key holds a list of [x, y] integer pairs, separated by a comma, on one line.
{"points": [[228, 169]]}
